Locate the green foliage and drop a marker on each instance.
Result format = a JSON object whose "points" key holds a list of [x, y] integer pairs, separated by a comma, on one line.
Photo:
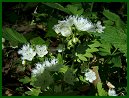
{"points": [[44, 80], [33, 92], [100, 89], [115, 37], [50, 31], [57, 6], [69, 76], [75, 9], [37, 41], [116, 61], [13, 36], [87, 52], [25, 80]]}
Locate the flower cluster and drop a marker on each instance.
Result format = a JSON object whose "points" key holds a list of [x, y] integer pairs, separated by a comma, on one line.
{"points": [[90, 76], [41, 66], [82, 24], [28, 52]]}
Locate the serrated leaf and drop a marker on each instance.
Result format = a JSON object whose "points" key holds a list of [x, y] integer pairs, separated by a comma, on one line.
{"points": [[57, 6], [89, 50], [50, 32], [116, 61], [12, 35], [63, 69], [82, 57], [89, 55], [37, 41], [95, 44], [111, 16], [43, 80], [75, 9], [25, 80]]}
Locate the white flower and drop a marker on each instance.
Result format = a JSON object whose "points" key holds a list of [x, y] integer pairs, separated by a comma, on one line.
{"points": [[83, 24], [41, 66], [38, 69], [99, 28], [54, 61], [27, 52], [41, 50], [63, 28], [112, 92], [23, 62], [90, 76]]}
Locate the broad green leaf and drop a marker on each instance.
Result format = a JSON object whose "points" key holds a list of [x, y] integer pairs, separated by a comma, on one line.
{"points": [[111, 16], [57, 6], [37, 41], [43, 80], [75, 9], [95, 44], [82, 57], [50, 32], [89, 50], [89, 55], [25, 80], [12, 35], [116, 61]]}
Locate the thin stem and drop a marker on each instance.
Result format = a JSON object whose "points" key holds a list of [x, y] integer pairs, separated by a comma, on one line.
{"points": [[91, 8]]}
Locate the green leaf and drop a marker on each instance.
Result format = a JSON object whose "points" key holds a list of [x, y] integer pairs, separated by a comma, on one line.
{"points": [[57, 6], [75, 9], [100, 89], [50, 32], [111, 16], [92, 50], [89, 55], [69, 77], [14, 36], [116, 61], [25, 80], [95, 44], [37, 41], [33, 92], [60, 59], [44, 80], [82, 57], [63, 69]]}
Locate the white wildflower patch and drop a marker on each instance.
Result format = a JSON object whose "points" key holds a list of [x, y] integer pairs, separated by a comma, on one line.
{"points": [[27, 52], [90, 76], [41, 50], [40, 67]]}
